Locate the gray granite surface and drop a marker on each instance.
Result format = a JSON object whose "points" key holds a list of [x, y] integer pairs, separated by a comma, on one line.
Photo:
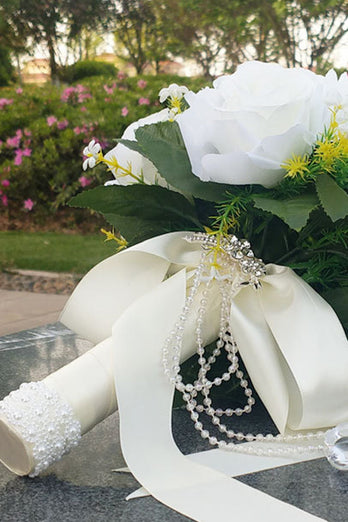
{"points": [[82, 486]]}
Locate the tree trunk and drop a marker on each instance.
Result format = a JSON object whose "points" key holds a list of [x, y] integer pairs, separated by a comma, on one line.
{"points": [[53, 64], [19, 73]]}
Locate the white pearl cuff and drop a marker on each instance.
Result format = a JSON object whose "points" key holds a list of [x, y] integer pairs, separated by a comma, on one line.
{"points": [[44, 421]]}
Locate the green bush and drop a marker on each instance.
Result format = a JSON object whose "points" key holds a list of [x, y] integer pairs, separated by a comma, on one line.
{"points": [[6, 69], [43, 131], [86, 69]]}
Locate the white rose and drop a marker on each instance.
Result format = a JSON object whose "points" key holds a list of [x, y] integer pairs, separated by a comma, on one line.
{"points": [[252, 121], [139, 165], [337, 96]]}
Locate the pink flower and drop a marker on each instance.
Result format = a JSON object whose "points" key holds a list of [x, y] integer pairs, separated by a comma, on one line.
{"points": [[144, 101], [75, 94], [107, 100], [5, 183], [4, 102], [108, 90], [77, 130], [83, 108], [26, 152], [82, 97], [142, 84], [19, 133], [4, 200], [51, 120], [124, 111], [27, 143], [19, 90], [121, 75], [18, 157], [67, 94], [62, 124], [13, 142], [27, 132], [28, 204], [84, 182]]}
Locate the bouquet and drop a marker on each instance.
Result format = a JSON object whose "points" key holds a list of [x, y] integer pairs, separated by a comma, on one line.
{"points": [[262, 154]]}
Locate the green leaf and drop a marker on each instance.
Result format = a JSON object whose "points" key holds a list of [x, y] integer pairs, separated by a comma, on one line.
{"points": [[163, 145], [132, 145], [338, 299], [136, 230], [150, 208], [295, 211], [333, 198]]}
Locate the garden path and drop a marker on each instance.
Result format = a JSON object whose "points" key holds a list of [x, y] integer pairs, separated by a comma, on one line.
{"points": [[29, 299]]}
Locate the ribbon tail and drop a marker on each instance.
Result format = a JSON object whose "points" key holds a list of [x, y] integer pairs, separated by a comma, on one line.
{"points": [[196, 491]]}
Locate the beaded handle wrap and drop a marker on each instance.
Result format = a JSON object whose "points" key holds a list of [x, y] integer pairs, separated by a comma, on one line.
{"points": [[229, 262], [43, 420]]}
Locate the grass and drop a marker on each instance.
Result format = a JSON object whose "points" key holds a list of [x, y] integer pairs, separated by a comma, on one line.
{"points": [[53, 251]]}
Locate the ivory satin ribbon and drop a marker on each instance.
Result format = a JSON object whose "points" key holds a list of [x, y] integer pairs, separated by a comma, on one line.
{"points": [[277, 331]]}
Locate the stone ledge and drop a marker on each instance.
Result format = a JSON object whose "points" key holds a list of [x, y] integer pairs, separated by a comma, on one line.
{"points": [[39, 281]]}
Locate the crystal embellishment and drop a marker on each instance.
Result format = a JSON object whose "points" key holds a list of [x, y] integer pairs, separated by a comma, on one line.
{"points": [[233, 253], [336, 441], [44, 420]]}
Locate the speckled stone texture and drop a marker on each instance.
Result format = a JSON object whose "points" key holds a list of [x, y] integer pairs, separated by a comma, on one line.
{"points": [[82, 486], [44, 283]]}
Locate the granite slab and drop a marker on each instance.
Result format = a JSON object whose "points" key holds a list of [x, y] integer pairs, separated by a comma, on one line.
{"points": [[83, 485]]}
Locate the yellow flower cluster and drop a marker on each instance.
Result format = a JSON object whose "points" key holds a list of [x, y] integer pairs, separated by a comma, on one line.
{"points": [[296, 166], [110, 236], [330, 148]]}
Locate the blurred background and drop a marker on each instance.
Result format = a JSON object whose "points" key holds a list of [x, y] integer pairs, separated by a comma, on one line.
{"points": [[73, 70]]}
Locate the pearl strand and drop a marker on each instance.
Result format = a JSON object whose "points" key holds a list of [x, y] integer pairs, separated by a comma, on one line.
{"points": [[231, 272]]}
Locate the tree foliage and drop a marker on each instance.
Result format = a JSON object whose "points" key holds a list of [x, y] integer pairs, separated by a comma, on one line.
{"points": [[142, 32], [46, 22]]}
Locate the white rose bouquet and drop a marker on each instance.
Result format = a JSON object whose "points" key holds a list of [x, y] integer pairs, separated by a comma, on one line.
{"points": [[263, 153]]}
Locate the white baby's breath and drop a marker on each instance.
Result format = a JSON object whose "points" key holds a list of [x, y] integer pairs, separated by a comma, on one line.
{"points": [[91, 152], [174, 92]]}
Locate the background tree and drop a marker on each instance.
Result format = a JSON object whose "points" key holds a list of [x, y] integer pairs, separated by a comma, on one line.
{"points": [[48, 22], [303, 32], [142, 32]]}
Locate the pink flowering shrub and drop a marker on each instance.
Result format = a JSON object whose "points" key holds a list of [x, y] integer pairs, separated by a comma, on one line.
{"points": [[51, 120], [144, 101], [142, 84], [4, 102], [75, 95], [28, 204], [43, 131], [84, 182]]}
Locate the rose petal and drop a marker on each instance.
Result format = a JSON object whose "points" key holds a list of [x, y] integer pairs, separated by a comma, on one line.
{"points": [[140, 166]]}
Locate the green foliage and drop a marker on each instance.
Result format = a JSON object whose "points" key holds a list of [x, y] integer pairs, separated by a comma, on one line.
{"points": [[6, 69], [140, 211], [333, 198], [85, 69], [163, 145], [294, 212]]}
